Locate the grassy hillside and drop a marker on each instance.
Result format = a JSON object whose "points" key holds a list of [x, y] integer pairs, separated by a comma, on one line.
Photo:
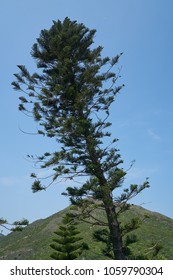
{"points": [[33, 242]]}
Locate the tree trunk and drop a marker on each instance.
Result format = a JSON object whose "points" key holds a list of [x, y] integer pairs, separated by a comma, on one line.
{"points": [[114, 228], [115, 233]]}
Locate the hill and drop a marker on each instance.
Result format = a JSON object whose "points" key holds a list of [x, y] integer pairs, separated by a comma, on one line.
{"points": [[33, 242]]}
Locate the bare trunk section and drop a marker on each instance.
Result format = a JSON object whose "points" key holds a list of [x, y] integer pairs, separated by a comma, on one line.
{"points": [[114, 228], [115, 233]]}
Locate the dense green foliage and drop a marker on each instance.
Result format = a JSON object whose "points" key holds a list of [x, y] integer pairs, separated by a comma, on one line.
{"points": [[70, 98], [34, 241], [67, 244]]}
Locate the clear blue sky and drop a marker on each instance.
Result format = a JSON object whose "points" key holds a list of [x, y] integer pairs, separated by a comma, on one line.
{"points": [[142, 115]]}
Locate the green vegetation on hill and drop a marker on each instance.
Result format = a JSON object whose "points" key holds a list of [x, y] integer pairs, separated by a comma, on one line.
{"points": [[34, 241]]}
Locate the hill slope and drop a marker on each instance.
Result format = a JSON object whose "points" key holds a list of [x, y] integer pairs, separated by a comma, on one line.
{"points": [[33, 242]]}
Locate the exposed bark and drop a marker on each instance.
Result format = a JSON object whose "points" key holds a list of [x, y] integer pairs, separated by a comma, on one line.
{"points": [[113, 223], [114, 228]]}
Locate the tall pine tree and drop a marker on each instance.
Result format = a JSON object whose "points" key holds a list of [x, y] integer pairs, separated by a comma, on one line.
{"points": [[70, 98]]}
